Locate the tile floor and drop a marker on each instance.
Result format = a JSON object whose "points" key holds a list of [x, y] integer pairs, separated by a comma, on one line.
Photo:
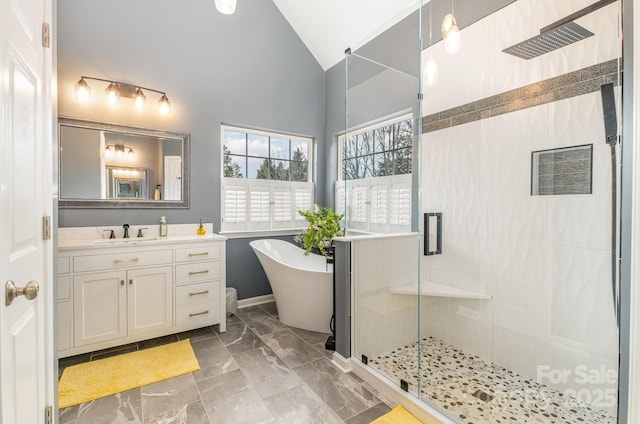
{"points": [[259, 371]]}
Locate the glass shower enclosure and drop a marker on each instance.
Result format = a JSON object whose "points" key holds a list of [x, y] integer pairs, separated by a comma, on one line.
{"points": [[482, 208]]}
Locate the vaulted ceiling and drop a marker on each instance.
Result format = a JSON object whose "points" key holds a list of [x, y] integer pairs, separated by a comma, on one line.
{"points": [[328, 27]]}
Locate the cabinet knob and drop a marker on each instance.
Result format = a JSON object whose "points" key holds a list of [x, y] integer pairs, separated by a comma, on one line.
{"points": [[131, 282], [122, 282]]}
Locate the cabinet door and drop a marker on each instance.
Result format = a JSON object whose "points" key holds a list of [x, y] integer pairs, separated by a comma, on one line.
{"points": [[99, 307], [150, 299]]}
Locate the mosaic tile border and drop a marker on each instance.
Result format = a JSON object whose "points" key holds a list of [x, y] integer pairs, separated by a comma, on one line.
{"points": [[576, 83], [472, 391]]}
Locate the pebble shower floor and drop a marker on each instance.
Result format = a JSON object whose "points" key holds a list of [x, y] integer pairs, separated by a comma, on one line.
{"points": [[472, 391]]}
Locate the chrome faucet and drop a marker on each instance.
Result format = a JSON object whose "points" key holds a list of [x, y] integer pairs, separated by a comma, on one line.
{"points": [[126, 230]]}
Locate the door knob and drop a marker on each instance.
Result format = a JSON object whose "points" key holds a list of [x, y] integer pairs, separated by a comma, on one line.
{"points": [[30, 291]]}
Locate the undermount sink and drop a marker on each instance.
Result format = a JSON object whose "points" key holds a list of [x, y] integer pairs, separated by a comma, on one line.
{"points": [[132, 240]]}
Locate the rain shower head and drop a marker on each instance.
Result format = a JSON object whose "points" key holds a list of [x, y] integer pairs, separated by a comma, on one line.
{"points": [[557, 35], [548, 41]]}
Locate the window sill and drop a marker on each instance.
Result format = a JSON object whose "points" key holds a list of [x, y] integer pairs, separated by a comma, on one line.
{"points": [[260, 233]]}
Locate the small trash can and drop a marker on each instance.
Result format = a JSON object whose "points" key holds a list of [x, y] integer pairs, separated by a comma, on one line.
{"points": [[232, 301]]}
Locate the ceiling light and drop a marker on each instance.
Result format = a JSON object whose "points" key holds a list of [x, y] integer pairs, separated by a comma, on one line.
{"points": [[226, 7], [83, 91], [451, 34], [113, 94], [165, 105], [430, 72], [138, 100], [430, 68]]}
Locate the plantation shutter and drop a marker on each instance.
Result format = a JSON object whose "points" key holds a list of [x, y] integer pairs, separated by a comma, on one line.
{"points": [[259, 206], [282, 207], [303, 200], [379, 204], [400, 202], [234, 207]]}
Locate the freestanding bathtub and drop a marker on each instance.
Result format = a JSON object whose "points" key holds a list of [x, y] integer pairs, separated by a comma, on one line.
{"points": [[302, 285]]}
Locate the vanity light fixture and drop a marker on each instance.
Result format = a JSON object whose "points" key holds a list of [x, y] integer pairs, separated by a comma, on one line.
{"points": [[119, 150], [451, 33], [117, 89], [226, 7]]}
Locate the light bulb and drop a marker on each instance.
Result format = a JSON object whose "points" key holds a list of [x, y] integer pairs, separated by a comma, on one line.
{"points": [[453, 40], [430, 72], [113, 94], [139, 99], [451, 34], [165, 105], [108, 152], [130, 154], [226, 7], [83, 91]]}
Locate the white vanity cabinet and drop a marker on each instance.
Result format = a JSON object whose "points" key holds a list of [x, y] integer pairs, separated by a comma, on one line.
{"points": [[116, 294]]}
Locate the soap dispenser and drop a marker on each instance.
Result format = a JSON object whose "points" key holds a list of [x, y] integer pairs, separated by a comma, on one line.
{"points": [[201, 230], [163, 226]]}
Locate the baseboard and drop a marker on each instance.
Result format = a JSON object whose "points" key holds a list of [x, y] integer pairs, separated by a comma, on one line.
{"points": [[342, 363], [393, 395], [254, 301]]}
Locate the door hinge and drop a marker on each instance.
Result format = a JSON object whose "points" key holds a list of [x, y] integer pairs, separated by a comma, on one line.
{"points": [[46, 228], [46, 35], [48, 415]]}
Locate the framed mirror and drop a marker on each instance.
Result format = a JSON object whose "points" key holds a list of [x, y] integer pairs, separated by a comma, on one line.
{"points": [[113, 166]]}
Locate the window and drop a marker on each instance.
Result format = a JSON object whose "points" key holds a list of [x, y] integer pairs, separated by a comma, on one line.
{"points": [[266, 180], [377, 151], [375, 177]]}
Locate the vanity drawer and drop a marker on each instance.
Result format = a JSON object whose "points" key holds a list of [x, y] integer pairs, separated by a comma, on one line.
{"points": [[189, 254], [201, 313], [196, 293], [200, 271], [64, 287], [121, 260], [63, 265]]}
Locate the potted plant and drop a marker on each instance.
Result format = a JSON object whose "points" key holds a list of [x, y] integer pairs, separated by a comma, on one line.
{"points": [[324, 225]]}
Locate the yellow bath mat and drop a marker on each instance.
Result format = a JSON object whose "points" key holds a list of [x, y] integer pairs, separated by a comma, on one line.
{"points": [[92, 380], [397, 415]]}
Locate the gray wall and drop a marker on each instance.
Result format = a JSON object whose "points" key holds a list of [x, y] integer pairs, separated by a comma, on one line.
{"points": [[81, 162], [247, 69]]}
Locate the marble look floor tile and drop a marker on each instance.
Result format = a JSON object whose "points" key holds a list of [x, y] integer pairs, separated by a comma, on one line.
{"points": [[261, 322], [310, 337], [231, 319], [341, 392], [230, 399], [322, 351], [213, 357], [270, 308], [240, 338], [192, 413], [168, 395], [158, 341], [369, 415], [197, 334], [121, 408], [266, 371], [68, 415], [290, 348], [300, 405]]}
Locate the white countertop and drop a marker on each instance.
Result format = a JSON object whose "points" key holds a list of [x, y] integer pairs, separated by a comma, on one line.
{"points": [[98, 237]]}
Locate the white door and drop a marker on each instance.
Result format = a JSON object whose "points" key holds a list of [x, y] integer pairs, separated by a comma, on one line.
{"points": [[27, 361], [172, 178]]}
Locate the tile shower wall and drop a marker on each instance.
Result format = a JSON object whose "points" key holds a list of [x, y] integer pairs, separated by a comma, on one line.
{"points": [[545, 260], [383, 321]]}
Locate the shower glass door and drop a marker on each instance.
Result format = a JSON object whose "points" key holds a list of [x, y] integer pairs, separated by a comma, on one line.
{"points": [[378, 192]]}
